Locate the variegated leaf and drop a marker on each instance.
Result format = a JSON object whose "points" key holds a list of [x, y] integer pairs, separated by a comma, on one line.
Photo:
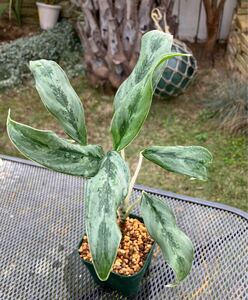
{"points": [[133, 98], [176, 247], [189, 160], [53, 152], [59, 98], [105, 192]]}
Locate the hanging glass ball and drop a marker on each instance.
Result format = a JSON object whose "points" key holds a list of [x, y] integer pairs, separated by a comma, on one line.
{"points": [[179, 72]]}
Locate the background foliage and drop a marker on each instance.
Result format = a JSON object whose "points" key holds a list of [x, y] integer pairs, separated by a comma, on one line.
{"points": [[60, 44], [228, 105]]}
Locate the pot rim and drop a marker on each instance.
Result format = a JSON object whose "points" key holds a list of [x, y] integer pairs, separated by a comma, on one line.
{"points": [[117, 274], [52, 6]]}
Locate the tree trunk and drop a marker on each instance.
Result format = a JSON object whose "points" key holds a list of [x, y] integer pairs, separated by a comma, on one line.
{"points": [[111, 34], [214, 11]]}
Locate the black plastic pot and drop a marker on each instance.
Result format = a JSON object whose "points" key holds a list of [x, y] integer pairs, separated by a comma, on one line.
{"points": [[127, 285]]}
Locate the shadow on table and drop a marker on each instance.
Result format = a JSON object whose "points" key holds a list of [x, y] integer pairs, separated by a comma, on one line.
{"points": [[82, 286]]}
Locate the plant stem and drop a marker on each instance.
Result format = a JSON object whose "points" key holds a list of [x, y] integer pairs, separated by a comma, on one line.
{"points": [[131, 207], [133, 180], [156, 253], [123, 153]]}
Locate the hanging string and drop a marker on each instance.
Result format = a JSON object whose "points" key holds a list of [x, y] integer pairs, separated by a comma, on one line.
{"points": [[157, 16]]}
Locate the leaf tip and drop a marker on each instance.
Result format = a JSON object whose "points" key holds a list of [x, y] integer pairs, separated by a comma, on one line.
{"points": [[8, 120], [103, 276], [8, 117], [8, 125], [32, 64]]}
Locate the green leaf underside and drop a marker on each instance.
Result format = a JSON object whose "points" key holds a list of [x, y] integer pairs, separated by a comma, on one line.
{"points": [[105, 192], [189, 160], [53, 152], [176, 247], [133, 98], [59, 98]]}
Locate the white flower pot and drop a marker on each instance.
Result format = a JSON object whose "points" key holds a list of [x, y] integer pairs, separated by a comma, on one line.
{"points": [[48, 15]]}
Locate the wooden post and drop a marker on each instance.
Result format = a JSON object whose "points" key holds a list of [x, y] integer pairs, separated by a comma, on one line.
{"points": [[213, 12]]}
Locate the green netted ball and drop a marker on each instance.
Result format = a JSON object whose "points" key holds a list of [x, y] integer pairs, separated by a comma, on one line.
{"points": [[178, 73]]}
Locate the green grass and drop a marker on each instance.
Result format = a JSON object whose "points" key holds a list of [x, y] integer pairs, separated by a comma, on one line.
{"points": [[179, 121]]}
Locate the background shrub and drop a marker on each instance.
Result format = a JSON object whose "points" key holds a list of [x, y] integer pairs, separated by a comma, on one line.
{"points": [[228, 105], [60, 44]]}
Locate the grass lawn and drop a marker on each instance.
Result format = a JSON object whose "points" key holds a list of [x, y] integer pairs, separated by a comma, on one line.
{"points": [[179, 121]]}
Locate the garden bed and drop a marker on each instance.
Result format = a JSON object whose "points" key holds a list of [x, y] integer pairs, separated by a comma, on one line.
{"points": [[10, 31], [60, 44]]}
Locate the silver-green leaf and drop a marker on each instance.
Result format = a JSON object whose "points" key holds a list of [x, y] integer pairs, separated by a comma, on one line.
{"points": [[105, 192], [133, 98], [59, 98], [189, 160], [53, 152], [176, 247]]}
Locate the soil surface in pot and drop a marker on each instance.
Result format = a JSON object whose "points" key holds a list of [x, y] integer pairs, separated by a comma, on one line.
{"points": [[134, 247]]}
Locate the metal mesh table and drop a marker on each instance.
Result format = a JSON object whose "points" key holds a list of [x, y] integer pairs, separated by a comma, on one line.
{"points": [[42, 220]]}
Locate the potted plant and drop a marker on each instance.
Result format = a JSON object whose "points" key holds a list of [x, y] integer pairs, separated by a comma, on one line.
{"points": [[117, 246], [48, 13]]}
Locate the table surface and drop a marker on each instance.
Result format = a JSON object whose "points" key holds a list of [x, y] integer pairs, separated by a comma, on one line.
{"points": [[42, 221]]}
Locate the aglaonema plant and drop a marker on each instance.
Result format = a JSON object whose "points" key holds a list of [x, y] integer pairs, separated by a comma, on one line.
{"points": [[109, 186]]}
